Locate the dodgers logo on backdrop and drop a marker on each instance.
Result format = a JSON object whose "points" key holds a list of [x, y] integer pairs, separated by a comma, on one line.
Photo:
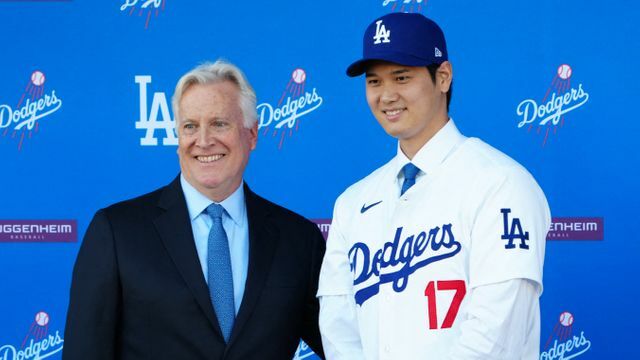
{"points": [[295, 102], [406, 5], [143, 8], [36, 103], [158, 119], [40, 342], [398, 259], [303, 352], [560, 99], [564, 342]]}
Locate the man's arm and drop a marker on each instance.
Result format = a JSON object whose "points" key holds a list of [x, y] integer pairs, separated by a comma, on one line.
{"points": [[339, 328], [505, 272], [310, 329], [338, 317], [502, 320], [94, 305]]}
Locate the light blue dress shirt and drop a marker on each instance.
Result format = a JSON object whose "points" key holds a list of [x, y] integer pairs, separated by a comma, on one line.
{"points": [[235, 224]]}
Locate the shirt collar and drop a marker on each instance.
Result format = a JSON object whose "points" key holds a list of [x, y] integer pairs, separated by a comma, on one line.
{"points": [[234, 205], [434, 152]]}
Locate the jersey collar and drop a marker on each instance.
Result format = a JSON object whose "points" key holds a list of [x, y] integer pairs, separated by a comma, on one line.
{"points": [[433, 153]]}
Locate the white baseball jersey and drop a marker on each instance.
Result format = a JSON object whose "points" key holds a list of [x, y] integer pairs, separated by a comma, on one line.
{"points": [[474, 217]]}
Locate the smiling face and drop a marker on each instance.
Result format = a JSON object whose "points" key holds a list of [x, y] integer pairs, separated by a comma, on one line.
{"points": [[213, 144], [407, 103]]}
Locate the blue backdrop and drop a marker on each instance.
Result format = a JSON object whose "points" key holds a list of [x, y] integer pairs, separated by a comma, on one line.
{"points": [[85, 122]]}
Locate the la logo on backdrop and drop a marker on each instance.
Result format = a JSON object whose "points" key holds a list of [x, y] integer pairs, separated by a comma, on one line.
{"points": [[145, 8], [22, 121], [283, 118], [560, 99], [40, 342], [564, 342], [157, 119]]}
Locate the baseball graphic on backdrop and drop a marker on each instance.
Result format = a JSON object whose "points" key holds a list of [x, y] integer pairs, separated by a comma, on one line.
{"points": [[42, 318], [564, 71], [37, 78], [566, 318], [298, 76]]}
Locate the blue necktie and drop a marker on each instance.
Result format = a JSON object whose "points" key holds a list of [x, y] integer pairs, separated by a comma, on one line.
{"points": [[219, 273], [410, 171]]}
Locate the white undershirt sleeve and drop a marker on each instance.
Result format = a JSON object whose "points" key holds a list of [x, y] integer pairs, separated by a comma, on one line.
{"points": [[338, 318], [503, 322], [339, 328]]}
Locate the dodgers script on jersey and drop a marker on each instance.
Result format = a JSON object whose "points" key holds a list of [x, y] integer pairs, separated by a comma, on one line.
{"points": [[474, 217]]}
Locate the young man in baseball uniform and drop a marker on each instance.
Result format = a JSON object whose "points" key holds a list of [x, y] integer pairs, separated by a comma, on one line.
{"points": [[438, 253]]}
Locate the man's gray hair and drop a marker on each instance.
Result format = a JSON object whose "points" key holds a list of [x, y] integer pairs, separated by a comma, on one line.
{"points": [[211, 73]]}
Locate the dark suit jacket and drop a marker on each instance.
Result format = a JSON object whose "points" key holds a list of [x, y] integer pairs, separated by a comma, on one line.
{"points": [[138, 291]]}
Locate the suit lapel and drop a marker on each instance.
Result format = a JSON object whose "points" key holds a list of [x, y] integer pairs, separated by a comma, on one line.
{"points": [[263, 241], [174, 227]]}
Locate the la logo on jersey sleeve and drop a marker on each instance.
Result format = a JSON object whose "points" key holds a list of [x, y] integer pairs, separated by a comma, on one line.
{"points": [[513, 231]]}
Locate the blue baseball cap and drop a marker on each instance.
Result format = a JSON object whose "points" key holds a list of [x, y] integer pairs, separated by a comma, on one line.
{"points": [[401, 38]]}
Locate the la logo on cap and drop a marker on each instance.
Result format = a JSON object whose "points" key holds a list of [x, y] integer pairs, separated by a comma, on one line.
{"points": [[382, 34]]}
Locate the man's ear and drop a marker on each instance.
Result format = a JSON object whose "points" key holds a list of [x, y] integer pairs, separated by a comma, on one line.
{"points": [[253, 135], [444, 76]]}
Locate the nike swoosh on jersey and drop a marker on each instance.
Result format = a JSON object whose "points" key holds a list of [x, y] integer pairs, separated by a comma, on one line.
{"points": [[365, 207]]}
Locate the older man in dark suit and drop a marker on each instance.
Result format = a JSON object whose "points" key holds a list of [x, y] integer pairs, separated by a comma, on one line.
{"points": [[202, 268]]}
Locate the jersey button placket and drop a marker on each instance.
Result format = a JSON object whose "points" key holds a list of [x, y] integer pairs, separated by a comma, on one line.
{"points": [[386, 323], [386, 297]]}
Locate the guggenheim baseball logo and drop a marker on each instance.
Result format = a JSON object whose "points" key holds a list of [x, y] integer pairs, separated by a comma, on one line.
{"points": [[576, 228], [143, 8], [564, 342], [324, 225], [38, 231], [283, 118], [560, 99], [39, 342], [36, 103]]}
